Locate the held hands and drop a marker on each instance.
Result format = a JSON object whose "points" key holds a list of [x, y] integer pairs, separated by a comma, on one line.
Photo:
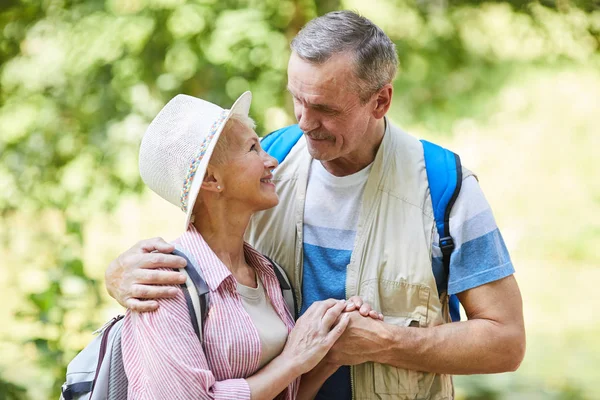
{"points": [[132, 276], [363, 340], [360, 338], [314, 333], [321, 326]]}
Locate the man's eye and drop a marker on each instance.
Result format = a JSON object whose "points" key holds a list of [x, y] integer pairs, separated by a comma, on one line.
{"points": [[329, 111], [253, 148]]}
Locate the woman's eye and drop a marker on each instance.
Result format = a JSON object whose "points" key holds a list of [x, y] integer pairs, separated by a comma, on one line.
{"points": [[253, 148]]}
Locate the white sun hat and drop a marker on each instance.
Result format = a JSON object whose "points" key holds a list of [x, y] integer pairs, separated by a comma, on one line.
{"points": [[178, 144]]}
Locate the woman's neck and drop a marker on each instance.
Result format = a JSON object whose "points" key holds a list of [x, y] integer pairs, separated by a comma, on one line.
{"points": [[223, 231]]}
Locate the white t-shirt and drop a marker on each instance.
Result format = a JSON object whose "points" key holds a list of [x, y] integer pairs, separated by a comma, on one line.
{"points": [[271, 329], [331, 214]]}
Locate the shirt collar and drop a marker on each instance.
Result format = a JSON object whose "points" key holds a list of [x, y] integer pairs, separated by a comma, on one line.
{"points": [[212, 268]]}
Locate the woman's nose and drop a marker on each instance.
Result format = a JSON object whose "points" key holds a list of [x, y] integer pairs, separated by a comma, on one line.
{"points": [[270, 161]]}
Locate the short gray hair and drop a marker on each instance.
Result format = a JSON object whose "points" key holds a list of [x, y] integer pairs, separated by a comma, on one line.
{"points": [[345, 31]]}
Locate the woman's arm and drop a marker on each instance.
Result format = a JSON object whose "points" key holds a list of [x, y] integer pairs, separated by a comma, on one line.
{"points": [[312, 381], [164, 359], [310, 340]]}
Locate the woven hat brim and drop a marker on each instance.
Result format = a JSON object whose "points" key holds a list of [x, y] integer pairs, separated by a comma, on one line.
{"points": [[240, 107]]}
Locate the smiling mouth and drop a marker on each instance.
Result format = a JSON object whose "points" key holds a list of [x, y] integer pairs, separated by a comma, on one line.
{"points": [[266, 181]]}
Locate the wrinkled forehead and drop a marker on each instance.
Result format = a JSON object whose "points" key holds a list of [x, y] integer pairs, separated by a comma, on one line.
{"points": [[336, 75]]}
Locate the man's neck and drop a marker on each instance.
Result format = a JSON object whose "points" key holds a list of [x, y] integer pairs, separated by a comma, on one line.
{"points": [[354, 162]]}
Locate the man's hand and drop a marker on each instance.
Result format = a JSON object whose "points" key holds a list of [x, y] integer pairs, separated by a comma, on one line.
{"points": [[359, 343], [133, 275]]}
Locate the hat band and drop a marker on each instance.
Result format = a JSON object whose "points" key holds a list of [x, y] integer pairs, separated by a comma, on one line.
{"points": [[187, 183]]}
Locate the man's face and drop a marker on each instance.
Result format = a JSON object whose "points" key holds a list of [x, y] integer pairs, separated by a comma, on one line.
{"points": [[328, 107]]}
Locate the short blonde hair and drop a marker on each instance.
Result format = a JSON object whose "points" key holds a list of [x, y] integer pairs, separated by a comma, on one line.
{"points": [[219, 155]]}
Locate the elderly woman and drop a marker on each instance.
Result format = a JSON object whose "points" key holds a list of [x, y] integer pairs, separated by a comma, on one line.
{"points": [[209, 162]]}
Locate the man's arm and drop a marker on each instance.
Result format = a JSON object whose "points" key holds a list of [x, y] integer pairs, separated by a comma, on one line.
{"points": [[491, 341], [130, 277]]}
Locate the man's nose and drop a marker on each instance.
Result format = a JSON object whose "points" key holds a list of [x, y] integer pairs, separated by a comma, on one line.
{"points": [[306, 120]]}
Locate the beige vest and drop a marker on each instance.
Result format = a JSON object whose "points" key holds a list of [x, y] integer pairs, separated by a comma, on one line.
{"points": [[390, 265]]}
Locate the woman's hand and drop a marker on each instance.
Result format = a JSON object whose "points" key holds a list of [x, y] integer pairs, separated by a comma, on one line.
{"points": [[357, 303], [314, 334]]}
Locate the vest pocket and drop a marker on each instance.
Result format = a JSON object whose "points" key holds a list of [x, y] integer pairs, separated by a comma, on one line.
{"points": [[395, 381], [400, 301], [402, 304]]}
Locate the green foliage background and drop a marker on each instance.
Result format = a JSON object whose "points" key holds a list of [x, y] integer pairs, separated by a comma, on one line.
{"points": [[513, 86]]}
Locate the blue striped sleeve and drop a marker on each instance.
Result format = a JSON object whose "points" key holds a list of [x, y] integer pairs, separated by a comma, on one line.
{"points": [[480, 256]]}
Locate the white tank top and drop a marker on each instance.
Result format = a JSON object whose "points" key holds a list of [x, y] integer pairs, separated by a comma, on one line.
{"points": [[271, 329]]}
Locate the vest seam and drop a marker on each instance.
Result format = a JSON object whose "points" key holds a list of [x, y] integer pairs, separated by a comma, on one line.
{"points": [[425, 213]]}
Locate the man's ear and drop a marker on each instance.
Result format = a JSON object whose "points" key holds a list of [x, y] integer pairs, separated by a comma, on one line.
{"points": [[383, 101], [212, 180]]}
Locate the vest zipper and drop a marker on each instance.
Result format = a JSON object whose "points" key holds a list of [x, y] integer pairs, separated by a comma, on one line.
{"points": [[302, 183], [299, 260], [352, 366], [352, 381]]}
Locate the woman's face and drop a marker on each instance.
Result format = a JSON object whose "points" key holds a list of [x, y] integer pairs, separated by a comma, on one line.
{"points": [[245, 173]]}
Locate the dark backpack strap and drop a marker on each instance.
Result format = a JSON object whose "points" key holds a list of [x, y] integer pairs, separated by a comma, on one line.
{"points": [[202, 290], [286, 288], [444, 173], [69, 392], [103, 346], [280, 142], [117, 378]]}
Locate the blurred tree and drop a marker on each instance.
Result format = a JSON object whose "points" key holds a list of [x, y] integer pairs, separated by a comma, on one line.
{"points": [[10, 391]]}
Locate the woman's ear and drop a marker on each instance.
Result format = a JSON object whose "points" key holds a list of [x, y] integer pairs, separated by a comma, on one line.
{"points": [[212, 180]]}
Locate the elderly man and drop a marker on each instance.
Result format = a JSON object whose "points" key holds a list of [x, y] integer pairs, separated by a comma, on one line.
{"points": [[355, 218]]}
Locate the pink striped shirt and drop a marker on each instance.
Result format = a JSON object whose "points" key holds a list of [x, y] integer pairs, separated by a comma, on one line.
{"points": [[162, 355]]}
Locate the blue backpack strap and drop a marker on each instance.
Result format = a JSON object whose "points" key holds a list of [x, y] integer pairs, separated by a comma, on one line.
{"points": [[444, 173], [279, 143]]}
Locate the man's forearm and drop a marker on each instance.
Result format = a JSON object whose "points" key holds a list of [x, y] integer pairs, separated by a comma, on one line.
{"points": [[492, 340], [471, 347]]}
